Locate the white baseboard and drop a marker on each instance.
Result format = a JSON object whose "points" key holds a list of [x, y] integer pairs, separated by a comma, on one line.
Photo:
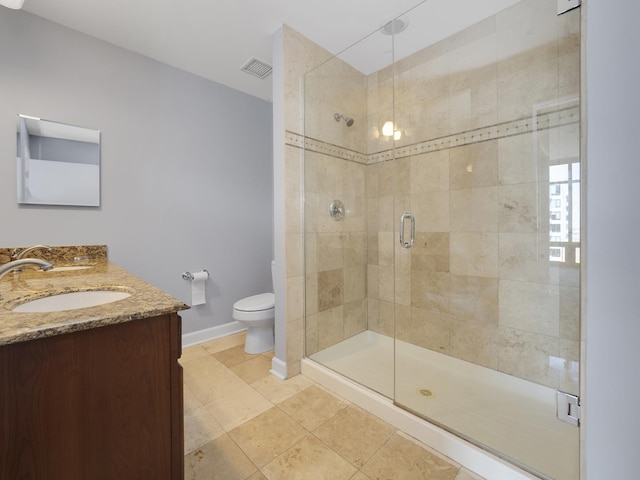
{"points": [[278, 368], [201, 336]]}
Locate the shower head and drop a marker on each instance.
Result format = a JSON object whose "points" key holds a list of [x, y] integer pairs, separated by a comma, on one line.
{"points": [[347, 120]]}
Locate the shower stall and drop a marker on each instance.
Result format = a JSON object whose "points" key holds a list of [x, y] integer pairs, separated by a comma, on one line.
{"points": [[442, 223]]}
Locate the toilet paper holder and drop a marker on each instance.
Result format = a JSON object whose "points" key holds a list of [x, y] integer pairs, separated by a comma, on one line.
{"points": [[189, 275]]}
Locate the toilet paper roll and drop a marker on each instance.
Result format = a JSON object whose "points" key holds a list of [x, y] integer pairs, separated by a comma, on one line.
{"points": [[198, 293]]}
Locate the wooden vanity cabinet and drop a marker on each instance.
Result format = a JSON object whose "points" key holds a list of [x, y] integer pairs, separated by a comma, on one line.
{"points": [[104, 403]]}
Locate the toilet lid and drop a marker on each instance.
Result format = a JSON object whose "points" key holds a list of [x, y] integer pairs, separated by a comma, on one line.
{"points": [[264, 301]]}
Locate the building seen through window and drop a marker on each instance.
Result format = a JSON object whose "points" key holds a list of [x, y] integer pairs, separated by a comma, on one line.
{"points": [[564, 212]]}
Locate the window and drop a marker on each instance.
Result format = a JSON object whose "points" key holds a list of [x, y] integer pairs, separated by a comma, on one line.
{"points": [[556, 254], [564, 212]]}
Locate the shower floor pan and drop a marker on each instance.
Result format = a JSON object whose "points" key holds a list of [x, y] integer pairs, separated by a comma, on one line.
{"points": [[510, 417]]}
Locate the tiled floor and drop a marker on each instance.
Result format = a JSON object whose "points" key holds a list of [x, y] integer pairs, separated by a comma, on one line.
{"points": [[241, 423]]}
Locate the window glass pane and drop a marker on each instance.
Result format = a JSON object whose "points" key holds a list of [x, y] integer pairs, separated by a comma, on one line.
{"points": [[556, 254]]}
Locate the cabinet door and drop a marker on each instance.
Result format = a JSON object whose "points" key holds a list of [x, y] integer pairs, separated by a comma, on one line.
{"points": [[40, 429], [127, 400], [104, 403], [177, 400]]}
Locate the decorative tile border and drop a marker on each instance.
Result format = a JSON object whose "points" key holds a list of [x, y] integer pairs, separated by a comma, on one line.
{"points": [[541, 121], [318, 146]]}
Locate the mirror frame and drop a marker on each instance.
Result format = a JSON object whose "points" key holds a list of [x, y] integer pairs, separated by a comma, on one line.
{"points": [[57, 163]]}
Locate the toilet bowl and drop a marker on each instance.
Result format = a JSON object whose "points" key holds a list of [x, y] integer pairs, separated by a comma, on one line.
{"points": [[257, 315]]}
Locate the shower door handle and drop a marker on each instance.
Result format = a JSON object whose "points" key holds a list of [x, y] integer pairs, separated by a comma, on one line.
{"points": [[407, 215]]}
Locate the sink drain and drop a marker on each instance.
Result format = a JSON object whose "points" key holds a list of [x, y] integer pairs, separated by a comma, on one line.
{"points": [[425, 392]]}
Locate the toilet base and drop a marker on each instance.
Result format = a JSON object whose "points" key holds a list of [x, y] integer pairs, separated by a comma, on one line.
{"points": [[259, 340]]}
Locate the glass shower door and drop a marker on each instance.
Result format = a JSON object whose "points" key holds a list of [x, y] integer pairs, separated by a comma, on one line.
{"points": [[487, 161], [442, 222]]}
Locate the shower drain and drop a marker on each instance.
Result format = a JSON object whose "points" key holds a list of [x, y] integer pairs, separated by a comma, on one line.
{"points": [[425, 392]]}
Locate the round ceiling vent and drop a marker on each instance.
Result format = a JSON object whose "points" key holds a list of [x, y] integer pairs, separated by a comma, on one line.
{"points": [[394, 27]]}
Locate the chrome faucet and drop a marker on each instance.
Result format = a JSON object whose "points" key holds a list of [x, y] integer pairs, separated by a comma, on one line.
{"points": [[18, 256], [17, 264]]}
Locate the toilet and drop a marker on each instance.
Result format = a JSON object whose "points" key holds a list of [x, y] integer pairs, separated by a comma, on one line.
{"points": [[257, 315]]}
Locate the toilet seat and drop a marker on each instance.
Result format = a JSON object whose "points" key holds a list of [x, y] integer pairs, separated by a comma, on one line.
{"points": [[256, 308], [263, 301]]}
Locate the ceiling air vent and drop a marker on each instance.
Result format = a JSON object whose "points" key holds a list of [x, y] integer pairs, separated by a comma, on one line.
{"points": [[257, 68]]}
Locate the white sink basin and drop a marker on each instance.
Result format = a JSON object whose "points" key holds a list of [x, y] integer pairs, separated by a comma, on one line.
{"points": [[71, 301]]}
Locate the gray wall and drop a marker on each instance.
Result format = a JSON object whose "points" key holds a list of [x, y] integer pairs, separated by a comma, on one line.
{"points": [[612, 312], [186, 163]]}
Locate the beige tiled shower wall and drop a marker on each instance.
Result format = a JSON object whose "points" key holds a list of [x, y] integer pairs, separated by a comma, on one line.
{"points": [[335, 251], [300, 55], [478, 283]]}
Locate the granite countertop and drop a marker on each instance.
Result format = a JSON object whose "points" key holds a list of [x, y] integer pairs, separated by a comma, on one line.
{"points": [[17, 288]]}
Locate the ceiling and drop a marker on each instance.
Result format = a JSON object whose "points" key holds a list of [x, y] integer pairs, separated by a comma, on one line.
{"points": [[214, 39]]}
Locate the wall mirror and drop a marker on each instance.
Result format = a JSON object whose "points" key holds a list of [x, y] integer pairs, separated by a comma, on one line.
{"points": [[57, 164]]}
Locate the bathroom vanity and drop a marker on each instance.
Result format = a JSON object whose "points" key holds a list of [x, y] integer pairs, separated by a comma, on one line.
{"points": [[90, 393]]}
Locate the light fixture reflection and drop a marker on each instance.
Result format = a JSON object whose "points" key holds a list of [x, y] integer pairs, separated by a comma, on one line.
{"points": [[387, 129]]}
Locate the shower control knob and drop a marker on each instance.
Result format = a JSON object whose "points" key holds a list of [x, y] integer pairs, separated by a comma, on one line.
{"points": [[336, 210]]}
